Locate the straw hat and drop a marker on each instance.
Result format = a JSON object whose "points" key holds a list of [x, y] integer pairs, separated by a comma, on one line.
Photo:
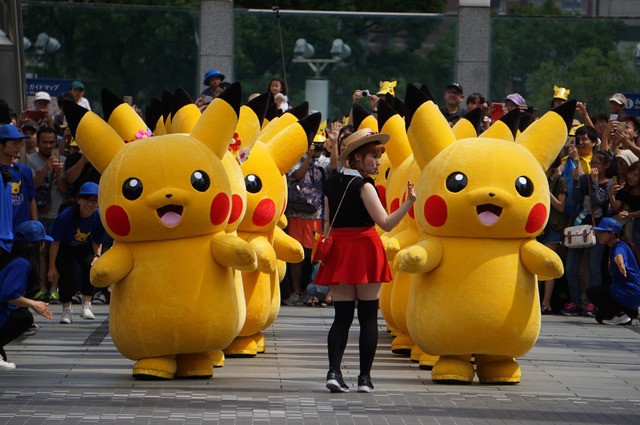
{"points": [[361, 138]]}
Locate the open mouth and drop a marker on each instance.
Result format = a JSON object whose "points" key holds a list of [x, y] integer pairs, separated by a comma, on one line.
{"points": [[170, 215], [488, 213]]}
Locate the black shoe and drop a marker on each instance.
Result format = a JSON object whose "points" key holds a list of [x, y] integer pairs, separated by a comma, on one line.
{"points": [[335, 383], [364, 384]]}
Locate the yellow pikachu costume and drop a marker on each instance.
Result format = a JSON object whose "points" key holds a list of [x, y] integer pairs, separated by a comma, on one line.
{"points": [[166, 200], [481, 203], [279, 147]]}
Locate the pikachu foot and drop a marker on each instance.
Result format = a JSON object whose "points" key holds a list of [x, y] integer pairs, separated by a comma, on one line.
{"points": [[155, 368], [416, 353], [427, 361], [242, 346], [217, 357], [194, 366], [260, 342], [497, 369], [453, 370], [402, 344]]}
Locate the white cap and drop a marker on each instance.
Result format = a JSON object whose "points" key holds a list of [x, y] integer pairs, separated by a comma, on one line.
{"points": [[42, 95]]}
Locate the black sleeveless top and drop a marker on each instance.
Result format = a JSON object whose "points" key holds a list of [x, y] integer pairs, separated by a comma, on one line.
{"points": [[352, 212]]}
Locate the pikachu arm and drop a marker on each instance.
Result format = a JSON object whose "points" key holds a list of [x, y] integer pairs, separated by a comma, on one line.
{"points": [[407, 237], [287, 248], [540, 260], [422, 257], [231, 251], [113, 266], [265, 253], [384, 237]]}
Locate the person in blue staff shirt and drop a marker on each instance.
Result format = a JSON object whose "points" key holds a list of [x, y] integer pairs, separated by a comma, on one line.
{"points": [[617, 303], [20, 269], [23, 190], [77, 239]]}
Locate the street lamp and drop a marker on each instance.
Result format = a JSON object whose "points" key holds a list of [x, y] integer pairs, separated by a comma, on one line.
{"points": [[317, 88]]}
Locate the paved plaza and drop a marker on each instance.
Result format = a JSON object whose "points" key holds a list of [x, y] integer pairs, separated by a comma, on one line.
{"points": [[579, 372]]}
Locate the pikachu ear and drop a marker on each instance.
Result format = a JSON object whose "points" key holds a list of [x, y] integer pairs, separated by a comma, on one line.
{"points": [[97, 140], [506, 128], [467, 126], [428, 127], [167, 102], [185, 114], [156, 116], [250, 120], [277, 125], [218, 122], [121, 117], [546, 136], [289, 145], [391, 123], [362, 118]]}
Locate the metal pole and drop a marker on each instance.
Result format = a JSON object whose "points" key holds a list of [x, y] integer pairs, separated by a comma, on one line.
{"points": [[276, 9]]}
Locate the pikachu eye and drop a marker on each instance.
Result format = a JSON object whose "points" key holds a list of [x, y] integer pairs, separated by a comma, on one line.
{"points": [[253, 183], [456, 182], [200, 181], [524, 186], [132, 189]]}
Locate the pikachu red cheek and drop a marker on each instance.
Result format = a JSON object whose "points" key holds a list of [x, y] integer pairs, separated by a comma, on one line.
{"points": [[264, 212], [537, 217], [118, 220], [435, 211], [412, 212], [236, 208], [382, 191], [219, 209], [395, 204]]}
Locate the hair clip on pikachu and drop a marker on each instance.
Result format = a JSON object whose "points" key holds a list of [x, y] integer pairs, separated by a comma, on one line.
{"points": [[481, 203], [166, 200]]}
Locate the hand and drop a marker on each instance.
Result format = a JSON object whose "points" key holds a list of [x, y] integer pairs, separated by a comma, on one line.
{"points": [[332, 133], [24, 116], [374, 101], [624, 214], [53, 275], [200, 101], [356, 96], [411, 192], [581, 107], [576, 173], [594, 174], [95, 258], [573, 152], [615, 189], [622, 269], [41, 308]]}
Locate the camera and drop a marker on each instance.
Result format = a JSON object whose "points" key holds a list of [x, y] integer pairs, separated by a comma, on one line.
{"points": [[364, 93]]}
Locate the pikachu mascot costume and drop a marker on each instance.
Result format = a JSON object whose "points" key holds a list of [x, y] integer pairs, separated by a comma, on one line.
{"points": [[481, 203], [166, 200]]}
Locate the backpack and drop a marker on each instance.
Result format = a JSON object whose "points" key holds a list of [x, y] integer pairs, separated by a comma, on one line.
{"points": [[306, 195]]}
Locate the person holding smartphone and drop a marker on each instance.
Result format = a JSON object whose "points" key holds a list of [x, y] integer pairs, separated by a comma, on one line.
{"points": [[40, 113], [47, 167]]}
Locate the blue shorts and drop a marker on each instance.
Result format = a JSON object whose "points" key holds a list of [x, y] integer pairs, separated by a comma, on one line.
{"points": [[550, 236]]}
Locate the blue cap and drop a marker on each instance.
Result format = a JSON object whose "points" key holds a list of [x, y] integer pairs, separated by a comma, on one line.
{"points": [[31, 231], [609, 225], [213, 73], [10, 131], [89, 188]]}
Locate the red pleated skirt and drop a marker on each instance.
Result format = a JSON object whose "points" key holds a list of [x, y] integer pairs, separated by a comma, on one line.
{"points": [[356, 256]]}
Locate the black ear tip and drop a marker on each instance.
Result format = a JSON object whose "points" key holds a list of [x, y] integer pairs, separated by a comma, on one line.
{"points": [[567, 110], [73, 113]]}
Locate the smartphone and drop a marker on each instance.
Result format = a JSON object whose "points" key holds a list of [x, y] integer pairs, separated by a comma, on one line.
{"points": [[207, 100], [55, 152], [622, 126], [128, 99], [613, 117], [318, 146], [35, 115]]}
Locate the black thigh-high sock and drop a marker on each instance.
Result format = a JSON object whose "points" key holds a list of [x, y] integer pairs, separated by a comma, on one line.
{"points": [[339, 333], [368, 318]]}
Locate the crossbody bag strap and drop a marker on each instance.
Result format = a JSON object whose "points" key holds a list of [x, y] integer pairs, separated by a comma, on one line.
{"points": [[593, 216], [339, 205]]}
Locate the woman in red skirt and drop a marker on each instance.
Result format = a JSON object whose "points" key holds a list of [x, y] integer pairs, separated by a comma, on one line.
{"points": [[356, 265]]}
